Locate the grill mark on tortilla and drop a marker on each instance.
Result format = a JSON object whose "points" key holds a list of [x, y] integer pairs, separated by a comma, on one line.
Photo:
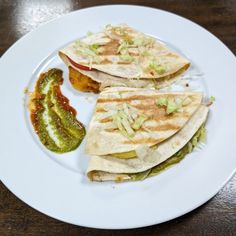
{"points": [[133, 54], [144, 141], [106, 120], [135, 97], [105, 62], [156, 117], [159, 109], [111, 130], [158, 112], [110, 48], [149, 106], [165, 127], [100, 109], [124, 62]]}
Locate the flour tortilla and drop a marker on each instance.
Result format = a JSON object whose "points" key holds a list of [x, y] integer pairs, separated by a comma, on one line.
{"points": [[106, 80], [110, 62], [104, 168], [104, 138]]}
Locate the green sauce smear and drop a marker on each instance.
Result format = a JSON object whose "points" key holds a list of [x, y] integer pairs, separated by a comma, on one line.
{"points": [[54, 120]]}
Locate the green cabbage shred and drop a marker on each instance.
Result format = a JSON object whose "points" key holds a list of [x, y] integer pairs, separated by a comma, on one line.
{"points": [[159, 69], [139, 122], [162, 101], [128, 121], [88, 51], [172, 105]]}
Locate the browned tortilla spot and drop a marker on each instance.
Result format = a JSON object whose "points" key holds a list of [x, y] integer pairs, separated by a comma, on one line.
{"points": [[112, 130], [124, 62], [105, 61], [110, 48], [106, 120], [144, 141], [156, 117], [100, 109], [164, 127]]}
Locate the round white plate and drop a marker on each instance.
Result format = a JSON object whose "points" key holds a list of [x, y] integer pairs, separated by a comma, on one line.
{"points": [[56, 184]]}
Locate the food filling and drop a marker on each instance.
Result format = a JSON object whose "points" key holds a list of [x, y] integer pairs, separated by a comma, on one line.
{"points": [[82, 82], [200, 136]]}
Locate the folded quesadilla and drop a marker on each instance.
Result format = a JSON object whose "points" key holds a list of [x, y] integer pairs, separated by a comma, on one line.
{"points": [[121, 56], [135, 133]]}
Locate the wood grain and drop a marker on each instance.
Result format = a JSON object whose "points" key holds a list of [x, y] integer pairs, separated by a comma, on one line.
{"points": [[216, 217]]}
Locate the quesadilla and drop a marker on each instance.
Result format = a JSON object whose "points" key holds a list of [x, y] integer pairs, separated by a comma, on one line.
{"points": [[124, 118], [135, 133], [121, 56], [152, 162]]}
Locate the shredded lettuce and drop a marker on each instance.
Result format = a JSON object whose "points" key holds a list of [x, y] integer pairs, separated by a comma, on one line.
{"points": [[212, 99], [162, 101], [173, 105], [127, 112], [118, 30], [89, 33], [202, 135], [149, 41], [94, 47], [121, 120], [143, 41], [133, 111], [145, 53], [138, 41], [123, 48], [189, 147], [139, 122], [126, 57], [159, 69], [130, 132], [88, 51], [124, 121], [127, 120], [117, 122]]}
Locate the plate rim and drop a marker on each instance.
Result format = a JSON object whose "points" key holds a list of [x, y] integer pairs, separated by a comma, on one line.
{"points": [[119, 5]]}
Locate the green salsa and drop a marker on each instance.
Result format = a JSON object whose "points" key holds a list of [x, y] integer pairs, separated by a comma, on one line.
{"points": [[53, 118], [176, 158]]}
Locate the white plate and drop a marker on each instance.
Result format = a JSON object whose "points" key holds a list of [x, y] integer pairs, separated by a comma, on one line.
{"points": [[56, 184]]}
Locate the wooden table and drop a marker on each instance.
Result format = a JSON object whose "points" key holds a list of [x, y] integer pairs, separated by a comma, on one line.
{"points": [[216, 217]]}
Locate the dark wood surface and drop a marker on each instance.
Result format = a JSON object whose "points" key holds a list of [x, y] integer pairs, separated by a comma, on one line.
{"points": [[216, 217]]}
